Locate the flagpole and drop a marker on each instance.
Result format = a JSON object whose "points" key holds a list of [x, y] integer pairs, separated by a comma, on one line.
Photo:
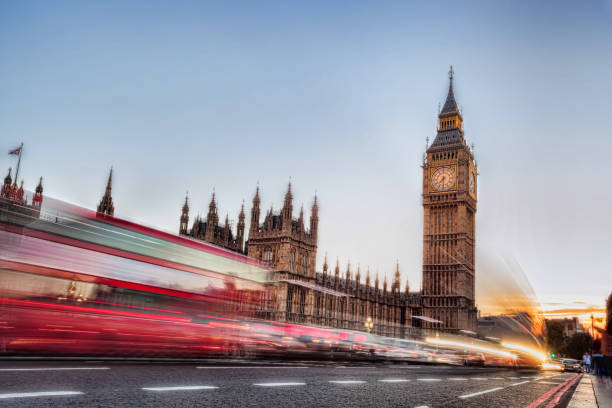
{"points": [[18, 162]]}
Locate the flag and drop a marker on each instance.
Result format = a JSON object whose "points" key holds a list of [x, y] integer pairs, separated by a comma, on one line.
{"points": [[16, 151]]}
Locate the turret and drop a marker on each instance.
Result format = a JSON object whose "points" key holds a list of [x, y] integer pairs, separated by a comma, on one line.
{"points": [[347, 276], [20, 192], [38, 195], [395, 287], [314, 220], [301, 220], [6, 187], [227, 232], [287, 211], [376, 281], [337, 273], [240, 229], [184, 217], [255, 211], [325, 266], [106, 205], [212, 219]]}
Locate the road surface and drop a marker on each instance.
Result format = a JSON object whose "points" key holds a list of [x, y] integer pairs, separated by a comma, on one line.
{"points": [[275, 384]]}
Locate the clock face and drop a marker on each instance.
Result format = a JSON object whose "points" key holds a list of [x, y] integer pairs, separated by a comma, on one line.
{"points": [[472, 183], [443, 179]]}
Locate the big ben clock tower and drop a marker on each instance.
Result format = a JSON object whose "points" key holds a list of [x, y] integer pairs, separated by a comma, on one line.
{"points": [[449, 203]]}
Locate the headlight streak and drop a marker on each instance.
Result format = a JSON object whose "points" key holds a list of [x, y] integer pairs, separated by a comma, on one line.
{"points": [[470, 347], [527, 350]]}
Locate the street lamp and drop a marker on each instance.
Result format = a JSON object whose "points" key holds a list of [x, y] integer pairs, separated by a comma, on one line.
{"points": [[369, 324], [592, 335]]}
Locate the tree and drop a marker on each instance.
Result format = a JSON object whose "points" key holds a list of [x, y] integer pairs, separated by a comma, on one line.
{"points": [[576, 345], [554, 336], [609, 314]]}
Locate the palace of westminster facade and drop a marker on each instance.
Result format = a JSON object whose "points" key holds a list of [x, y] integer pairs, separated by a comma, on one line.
{"points": [[342, 299]]}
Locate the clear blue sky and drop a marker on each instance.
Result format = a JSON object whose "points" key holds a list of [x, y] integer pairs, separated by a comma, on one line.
{"points": [[338, 96]]}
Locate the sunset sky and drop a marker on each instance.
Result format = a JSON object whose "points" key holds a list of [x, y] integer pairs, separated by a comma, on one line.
{"points": [[340, 97]]}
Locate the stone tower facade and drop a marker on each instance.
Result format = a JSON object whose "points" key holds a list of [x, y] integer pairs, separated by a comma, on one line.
{"points": [[282, 242], [449, 203], [290, 249]]}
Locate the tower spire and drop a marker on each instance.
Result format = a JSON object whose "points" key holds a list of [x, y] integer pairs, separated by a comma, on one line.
{"points": [[106, 205], [450, 121], [184, 216], [255, 211], [450, 106]]}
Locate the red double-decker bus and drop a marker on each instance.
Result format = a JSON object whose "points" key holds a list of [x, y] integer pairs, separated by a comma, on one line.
{"points": [[75, 282]]}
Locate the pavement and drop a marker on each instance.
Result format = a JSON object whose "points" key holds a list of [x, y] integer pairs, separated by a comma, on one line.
{"points": [[603, 391], [271, 384]]}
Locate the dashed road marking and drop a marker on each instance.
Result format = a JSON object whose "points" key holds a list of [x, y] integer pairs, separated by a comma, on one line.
{"points": [[495, 378], [478, 378], [428, 379], [254, 367], [394, 380], [39, 394], [480, 392], [54, 368], [457, 379], [519, 383], [347, 381], [279, 384], [181, 388]]}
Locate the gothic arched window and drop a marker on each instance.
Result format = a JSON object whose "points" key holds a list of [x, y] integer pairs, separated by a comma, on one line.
{"points": [[268, 255], [292, 261], [304, 263]]}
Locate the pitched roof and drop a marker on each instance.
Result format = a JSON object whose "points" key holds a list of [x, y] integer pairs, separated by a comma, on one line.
{"points": [[445, 139], [450, 105]]}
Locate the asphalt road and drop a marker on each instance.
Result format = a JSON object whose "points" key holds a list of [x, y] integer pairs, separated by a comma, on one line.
{"points": [[281, 384]]}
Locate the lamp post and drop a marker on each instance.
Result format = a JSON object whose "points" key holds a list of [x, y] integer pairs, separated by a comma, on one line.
{"points": [[369, 324], [592, 335]]}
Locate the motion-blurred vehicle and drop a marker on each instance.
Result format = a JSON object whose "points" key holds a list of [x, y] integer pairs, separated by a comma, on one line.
{"points": [[474, 359], [571, 365], [552, 365]]}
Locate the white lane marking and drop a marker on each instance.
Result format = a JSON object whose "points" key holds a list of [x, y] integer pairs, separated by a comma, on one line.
{"points": [[347, 381], [495, 378], [422, 406], [394, 380], [54, 368], [39, 394], [481, 392], [514, 378], [428, 379], [478, 378], [519, 383], [457, 379], [206, 368], [279, 384], [181, 388]]}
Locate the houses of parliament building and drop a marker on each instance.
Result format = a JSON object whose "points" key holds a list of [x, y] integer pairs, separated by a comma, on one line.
{"points": [[347, 298]]}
